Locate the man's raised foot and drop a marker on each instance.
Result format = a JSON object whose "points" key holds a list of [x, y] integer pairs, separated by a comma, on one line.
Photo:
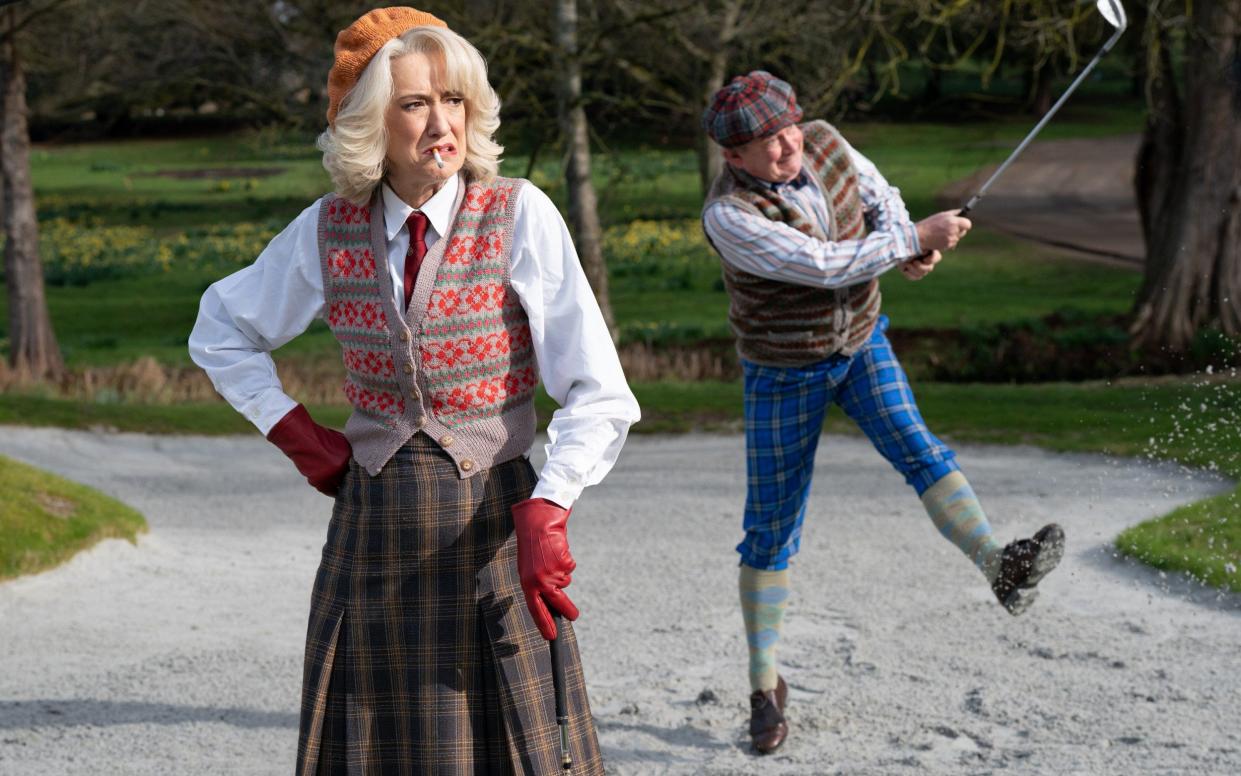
{"points": [[1023, 564]]}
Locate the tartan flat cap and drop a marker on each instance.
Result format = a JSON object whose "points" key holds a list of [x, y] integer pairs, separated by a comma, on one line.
{"points": [[750, 106]]}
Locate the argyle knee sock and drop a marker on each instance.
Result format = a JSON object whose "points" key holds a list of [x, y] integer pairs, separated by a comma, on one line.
{"points": [[763, 597], [955, 510]]}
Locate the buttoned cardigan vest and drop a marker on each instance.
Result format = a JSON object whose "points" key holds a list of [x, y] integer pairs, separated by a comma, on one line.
{"points": [[459, 364], [785, 324]]}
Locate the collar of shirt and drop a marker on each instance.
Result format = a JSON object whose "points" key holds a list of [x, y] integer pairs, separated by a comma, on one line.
{"points": [[438, 209], [802, 180]]}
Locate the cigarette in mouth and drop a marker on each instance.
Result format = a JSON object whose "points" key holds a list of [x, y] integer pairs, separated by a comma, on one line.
{"points": [[439, 162]]}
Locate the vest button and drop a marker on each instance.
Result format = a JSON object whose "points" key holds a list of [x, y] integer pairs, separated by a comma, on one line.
{"points": [[466, 464], [404, 336], [409, 369], [447, 440], [421, 421]]}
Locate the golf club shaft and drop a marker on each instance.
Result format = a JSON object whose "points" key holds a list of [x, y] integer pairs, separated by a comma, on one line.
{"points": [[558, 689], [1042, 122]]}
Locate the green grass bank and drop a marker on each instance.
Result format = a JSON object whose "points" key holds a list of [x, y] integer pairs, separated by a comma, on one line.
{"points": [[45, 519]]}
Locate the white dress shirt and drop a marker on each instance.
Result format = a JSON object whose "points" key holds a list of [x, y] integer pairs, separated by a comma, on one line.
{"points": [[771, 249], [258, 309]]}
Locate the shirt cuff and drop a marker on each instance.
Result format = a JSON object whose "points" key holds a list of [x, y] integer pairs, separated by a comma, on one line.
{"points": [[266, 409], [563, 494], [910, 233]]}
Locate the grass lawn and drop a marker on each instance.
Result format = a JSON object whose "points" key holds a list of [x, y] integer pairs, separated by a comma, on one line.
{"points": [[130, 247], [45, 519]]}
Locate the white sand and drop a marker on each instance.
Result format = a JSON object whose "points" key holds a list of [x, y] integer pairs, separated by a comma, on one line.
{"points": [[183, 655]]}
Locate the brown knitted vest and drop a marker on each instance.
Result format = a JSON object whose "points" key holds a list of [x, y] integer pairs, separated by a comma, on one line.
{"points": [[785, 324]]}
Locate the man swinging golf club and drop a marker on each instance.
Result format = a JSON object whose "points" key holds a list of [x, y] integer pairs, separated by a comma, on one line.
{"points": [[804, 225]]}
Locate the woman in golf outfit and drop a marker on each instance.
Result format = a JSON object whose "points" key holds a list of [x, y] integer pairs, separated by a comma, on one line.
{"points": [[451, 292]]}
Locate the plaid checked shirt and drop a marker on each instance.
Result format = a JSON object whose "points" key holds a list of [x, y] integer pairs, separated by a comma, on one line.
{"points": [[773, 250]]}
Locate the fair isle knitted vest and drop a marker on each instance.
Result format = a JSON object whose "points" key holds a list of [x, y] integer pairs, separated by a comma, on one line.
{"points": [[785, 324], [459, 364]]}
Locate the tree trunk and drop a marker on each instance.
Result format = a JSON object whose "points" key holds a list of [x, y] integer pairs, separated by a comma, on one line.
{"points": [[1038, 90], [583, 204], [710, 162], [33, 352], [933, 89], [1189, 190]]}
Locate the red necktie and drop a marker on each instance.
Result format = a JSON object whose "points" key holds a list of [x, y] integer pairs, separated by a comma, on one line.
{"points": [[417, 223]]}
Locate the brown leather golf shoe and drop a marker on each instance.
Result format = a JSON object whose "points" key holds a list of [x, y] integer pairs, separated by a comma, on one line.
{"points": [[767, 726], [1023, 563]]}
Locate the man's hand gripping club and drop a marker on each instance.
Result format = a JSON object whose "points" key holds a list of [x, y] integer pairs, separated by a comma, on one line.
{"points": [[543, 561], [937, 233]]}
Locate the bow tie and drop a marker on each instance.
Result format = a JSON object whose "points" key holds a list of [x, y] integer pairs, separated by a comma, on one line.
{"points": [[802, 180]]}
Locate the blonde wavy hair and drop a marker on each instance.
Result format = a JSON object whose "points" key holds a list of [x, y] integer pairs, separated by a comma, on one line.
{"points": [[355, 146]]}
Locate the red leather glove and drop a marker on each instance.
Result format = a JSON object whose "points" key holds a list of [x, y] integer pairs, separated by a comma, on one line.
{"points": [[543, 561], [322, 454]]}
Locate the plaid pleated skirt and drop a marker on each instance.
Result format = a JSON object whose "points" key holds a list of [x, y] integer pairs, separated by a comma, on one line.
{"points": [[421, 657]]}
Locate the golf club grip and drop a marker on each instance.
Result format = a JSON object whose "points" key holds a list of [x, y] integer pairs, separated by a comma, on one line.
{"points": [[558, 690], [558, 669]]}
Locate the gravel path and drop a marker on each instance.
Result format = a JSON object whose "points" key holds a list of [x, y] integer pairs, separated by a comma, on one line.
{"points": [[1074, 195], [183, 655]]}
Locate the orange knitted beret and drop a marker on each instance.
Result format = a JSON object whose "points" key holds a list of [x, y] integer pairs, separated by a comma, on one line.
{"points": [[357, 43]]}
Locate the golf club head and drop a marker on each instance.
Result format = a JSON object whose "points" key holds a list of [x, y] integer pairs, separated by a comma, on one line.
{"points": [[1114, 12]]}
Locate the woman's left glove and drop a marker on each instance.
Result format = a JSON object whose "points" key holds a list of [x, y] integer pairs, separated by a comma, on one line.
{"points": [[543, 561], [321, 454]]}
